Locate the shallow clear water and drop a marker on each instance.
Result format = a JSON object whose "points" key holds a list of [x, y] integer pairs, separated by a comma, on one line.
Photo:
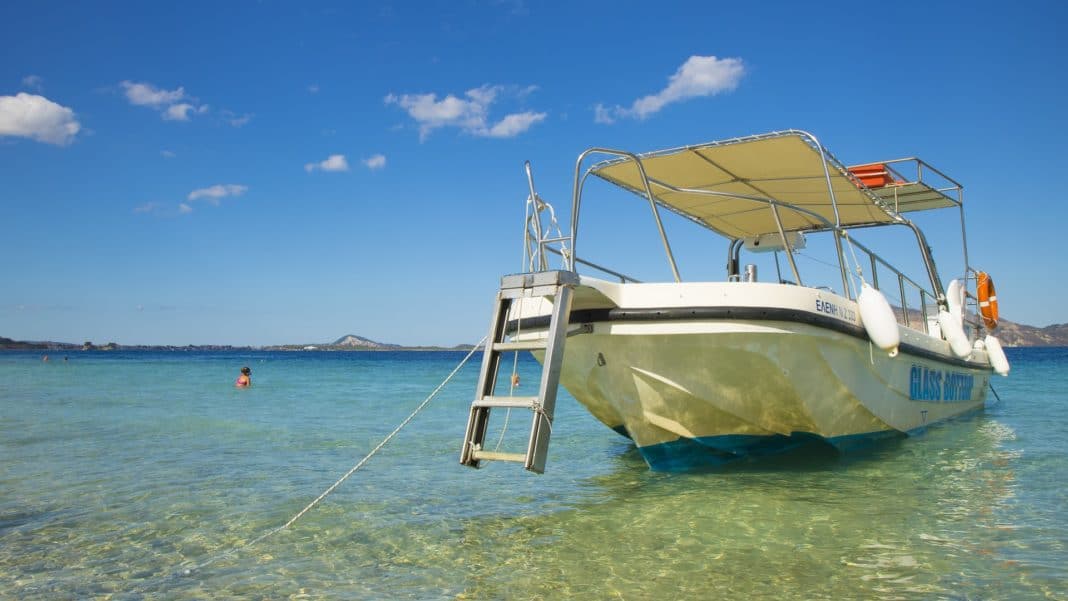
{"points": [[118, 471]]}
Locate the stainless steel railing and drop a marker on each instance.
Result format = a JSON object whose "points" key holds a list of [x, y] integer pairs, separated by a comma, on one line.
{"points": [[902, 290]]}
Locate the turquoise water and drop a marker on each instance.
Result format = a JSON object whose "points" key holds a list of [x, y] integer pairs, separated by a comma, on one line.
{"points": [[119, 471]]}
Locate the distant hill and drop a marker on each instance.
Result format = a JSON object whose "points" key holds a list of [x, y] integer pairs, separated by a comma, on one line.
{"points": [[1015, 334], [9, 344], [1010, 333], [354, 341]]}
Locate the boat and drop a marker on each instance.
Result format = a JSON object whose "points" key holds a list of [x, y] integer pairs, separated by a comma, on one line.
{"points": [[833, 344]]}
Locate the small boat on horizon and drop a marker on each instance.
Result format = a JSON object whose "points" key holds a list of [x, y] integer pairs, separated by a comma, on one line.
{"points": [[699, 372]]}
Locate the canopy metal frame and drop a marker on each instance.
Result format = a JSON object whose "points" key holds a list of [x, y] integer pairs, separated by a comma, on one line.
{"points": [[885, 200]]}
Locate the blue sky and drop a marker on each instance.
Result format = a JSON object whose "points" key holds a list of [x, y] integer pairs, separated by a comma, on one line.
{"points": [[263, 173]]}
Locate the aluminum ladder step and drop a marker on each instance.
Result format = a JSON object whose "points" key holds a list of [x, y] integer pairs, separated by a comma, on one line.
{"points": [[510, 402], [481, 455], [532, 345]]}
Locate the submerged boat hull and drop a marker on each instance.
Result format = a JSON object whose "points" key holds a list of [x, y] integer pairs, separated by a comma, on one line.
{"points": [[694, 392]]}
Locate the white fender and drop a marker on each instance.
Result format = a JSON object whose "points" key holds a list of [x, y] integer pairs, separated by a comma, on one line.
{"points": [[998, 360], [954, 334], [955, 300], [878, 319]]}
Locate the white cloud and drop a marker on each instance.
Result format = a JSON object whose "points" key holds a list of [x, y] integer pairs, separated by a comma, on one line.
{"points": [[173, 105], [177, 112], [698, 76], [148, 207], [518, 7], [214, 194], [375, 162], [431, 113], [239, 121], [233, 118], [167, 154], [485, 95], [313, 89], [603, 114], [469, 114], [527, 91], [335, 162], [145, 94], [514, 124], [164, 210], [33, 82], [38, 118]]}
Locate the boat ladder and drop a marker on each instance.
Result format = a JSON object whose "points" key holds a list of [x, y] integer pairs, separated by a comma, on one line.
{"points": [[559, 286]]}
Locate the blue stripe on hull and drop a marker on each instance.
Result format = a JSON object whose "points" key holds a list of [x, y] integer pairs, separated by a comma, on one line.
{"points": [[711, 451]]}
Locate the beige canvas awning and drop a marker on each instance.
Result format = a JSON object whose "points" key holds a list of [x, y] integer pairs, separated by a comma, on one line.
{"points": [[726, 186]]}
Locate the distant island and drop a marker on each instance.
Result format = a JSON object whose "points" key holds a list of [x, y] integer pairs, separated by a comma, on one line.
{"points": [[1009, 333], [349, 342], [352, 342]]}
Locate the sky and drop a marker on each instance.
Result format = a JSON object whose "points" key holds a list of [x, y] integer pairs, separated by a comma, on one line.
{"points": [[257, 173]]}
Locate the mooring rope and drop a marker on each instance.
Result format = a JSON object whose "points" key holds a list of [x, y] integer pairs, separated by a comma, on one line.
{"points": [[513, 381], [356, 467], [996, 395]]}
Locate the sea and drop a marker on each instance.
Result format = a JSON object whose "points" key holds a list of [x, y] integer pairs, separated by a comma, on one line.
{"points": [[148, 475]]}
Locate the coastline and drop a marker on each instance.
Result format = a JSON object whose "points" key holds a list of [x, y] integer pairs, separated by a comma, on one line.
{"points": [[1011, 335], [19, 345]]}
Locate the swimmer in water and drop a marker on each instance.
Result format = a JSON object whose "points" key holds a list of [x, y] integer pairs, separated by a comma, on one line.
{"points": [[245, 379]]}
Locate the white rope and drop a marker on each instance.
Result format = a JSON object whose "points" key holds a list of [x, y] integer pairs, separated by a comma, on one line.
{"points": [[512, 384], [856, 272], [538, 409], [815, 259], [513, 381], [856, 263], [348, 473]]}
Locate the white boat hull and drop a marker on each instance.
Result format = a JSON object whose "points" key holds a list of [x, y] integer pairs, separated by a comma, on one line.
{"points": [[715, 388]]}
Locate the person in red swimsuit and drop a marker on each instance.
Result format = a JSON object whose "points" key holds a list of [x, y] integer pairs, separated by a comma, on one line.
{"points": [[245, 379]]}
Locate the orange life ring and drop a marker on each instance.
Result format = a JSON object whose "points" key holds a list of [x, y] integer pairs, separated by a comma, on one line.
{"points": [[988, 299]]}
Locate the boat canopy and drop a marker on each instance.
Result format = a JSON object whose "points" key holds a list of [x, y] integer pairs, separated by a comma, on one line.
{"points": [[747, 187]]}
